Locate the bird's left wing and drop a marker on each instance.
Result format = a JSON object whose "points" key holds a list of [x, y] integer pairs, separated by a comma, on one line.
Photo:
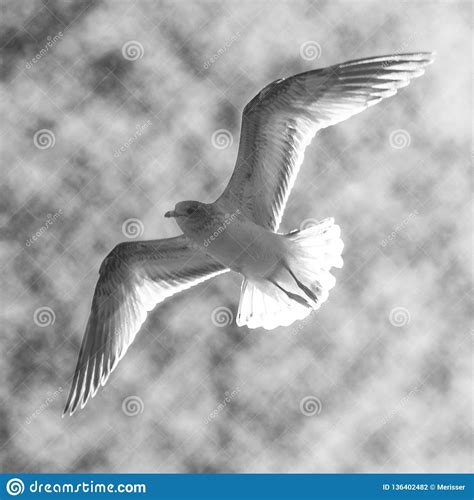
{"points": [[133, 278], [282, 119]]}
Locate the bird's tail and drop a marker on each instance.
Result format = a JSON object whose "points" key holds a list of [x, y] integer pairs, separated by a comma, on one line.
{"points": [[300, 283]]}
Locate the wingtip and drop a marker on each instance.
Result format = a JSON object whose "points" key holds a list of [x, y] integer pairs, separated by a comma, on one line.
{"points": [[421, 54], [428, 56], [78, 402], [423, 58], [71, 403], [69, 409]]}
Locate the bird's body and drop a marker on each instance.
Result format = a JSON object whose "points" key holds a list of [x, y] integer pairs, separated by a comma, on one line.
{"points": [[285, 276], [234, 240]]}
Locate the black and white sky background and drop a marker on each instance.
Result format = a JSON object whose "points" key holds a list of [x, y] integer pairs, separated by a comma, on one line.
{"points": [[114, 111]]}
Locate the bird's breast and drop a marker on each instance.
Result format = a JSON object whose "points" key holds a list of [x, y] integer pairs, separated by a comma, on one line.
{"points": [[241, 245]]}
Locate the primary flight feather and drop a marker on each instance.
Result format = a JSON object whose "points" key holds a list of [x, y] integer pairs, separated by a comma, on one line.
{"points": [[286, 276]]}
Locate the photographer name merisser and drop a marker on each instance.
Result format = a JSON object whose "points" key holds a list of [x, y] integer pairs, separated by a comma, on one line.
{"points": [[450, 487]]}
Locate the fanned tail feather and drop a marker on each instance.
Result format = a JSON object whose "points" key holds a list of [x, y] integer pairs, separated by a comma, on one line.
{"points": [[299, 285]]}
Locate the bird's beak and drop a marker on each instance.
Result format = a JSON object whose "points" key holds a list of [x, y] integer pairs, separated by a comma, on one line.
{"points": [[171, 213]]}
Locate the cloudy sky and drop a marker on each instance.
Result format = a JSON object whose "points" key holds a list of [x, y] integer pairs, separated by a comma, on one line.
{"points": [[109, 110]]}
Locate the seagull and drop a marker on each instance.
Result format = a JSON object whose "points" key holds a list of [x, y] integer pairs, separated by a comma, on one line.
{"points": [[285, 276]]}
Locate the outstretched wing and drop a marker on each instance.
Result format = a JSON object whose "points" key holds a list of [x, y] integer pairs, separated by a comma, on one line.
{"points": [[283, 118], [133, 278]]}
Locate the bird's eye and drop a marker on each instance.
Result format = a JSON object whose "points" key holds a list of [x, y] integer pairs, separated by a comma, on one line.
{"points": [[189, 211]]}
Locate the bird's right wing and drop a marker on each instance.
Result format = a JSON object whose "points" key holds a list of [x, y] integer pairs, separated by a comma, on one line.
{"points": [[280, 121], [133, 278]]}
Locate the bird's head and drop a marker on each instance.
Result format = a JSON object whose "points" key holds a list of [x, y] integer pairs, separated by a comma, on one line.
{"points": [[188, 212]]}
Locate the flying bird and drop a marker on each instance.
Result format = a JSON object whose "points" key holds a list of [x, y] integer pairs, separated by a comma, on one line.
{"points": [[285, 276]]}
